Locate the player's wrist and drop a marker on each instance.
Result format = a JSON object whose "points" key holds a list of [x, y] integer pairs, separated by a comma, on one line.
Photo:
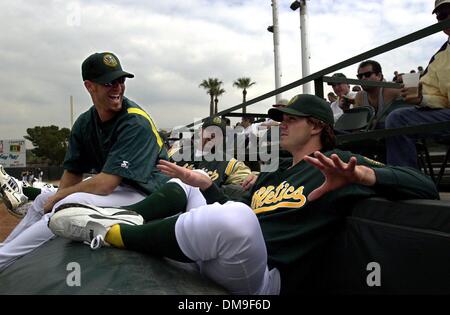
{"points": [[366, 175]]}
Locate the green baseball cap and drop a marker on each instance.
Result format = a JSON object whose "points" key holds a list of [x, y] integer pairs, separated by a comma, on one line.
{"points": [[214, 121], [305, 105], [103, 68]]}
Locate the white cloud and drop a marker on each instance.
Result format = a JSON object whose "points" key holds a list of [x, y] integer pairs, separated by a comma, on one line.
{"points": [[171, 46]]}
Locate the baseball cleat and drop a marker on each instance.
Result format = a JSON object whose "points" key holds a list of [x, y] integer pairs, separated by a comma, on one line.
{"points": [[4, 177], [43, 186], [11, 191], [21, 210], [89, 224]]}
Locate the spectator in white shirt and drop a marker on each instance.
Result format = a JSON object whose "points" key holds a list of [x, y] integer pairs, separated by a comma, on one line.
{"points": [[345, 96]]}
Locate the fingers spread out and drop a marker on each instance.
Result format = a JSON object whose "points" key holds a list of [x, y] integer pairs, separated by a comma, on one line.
{"points": [[323, 159], [169, 168], [342, 166], [164, 162], [351, 164], [167, 172], [338, 162], [314, 162]]}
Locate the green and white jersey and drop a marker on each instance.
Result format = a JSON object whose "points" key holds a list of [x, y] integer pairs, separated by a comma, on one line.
{"points": [[230, 171], [295, 229], [128, 146]]}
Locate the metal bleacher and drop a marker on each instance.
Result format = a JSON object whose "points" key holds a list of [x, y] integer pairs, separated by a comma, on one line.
{"points": [[435, 157]]}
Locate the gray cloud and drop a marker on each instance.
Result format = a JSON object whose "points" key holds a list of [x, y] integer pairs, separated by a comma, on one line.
{"points": [[171, 46]]}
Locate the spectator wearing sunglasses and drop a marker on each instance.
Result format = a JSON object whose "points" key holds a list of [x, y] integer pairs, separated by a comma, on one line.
{"points": [[377, 97], [432, 102], [116, 138]]}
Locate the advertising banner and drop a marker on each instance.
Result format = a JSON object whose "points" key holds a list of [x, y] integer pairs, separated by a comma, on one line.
{"points": [[13, 153]]}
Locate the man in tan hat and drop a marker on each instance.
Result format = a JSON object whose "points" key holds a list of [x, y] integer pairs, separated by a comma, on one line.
{"points": [[432, 100]]}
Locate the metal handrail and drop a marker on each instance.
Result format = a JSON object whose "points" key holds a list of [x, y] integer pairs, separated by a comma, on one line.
{"points": [[320, 77]]}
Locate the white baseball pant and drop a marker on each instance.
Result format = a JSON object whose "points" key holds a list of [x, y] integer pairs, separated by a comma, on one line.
{"points": [[227, 244], [33, 231]]}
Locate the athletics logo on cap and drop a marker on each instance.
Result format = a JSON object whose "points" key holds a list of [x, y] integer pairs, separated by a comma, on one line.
{"points": [[217, 120], [292, 100], [109, 60]]}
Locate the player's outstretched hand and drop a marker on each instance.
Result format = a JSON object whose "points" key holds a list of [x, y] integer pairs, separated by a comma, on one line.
{"points": [[338, 174], [187, 176]]}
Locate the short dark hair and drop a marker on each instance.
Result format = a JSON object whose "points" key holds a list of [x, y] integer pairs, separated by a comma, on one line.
{"points": [[376, 67]]}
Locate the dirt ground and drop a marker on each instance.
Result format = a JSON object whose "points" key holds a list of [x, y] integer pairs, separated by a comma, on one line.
{"points": [[7, 222]]}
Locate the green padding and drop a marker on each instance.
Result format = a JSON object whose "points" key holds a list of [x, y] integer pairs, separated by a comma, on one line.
{"points": [[431, 215], [104, 271]]}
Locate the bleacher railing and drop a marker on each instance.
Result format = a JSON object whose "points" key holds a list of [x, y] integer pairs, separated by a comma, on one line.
{"points": [[321, 77]]}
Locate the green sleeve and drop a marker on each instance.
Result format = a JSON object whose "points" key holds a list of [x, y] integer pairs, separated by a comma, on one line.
{"points": [[215, 194], [395, 182], [404, 183], [135, 153]]}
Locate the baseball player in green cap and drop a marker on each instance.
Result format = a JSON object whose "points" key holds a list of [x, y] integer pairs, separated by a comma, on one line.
{"points": [[269, 242], [208, 153], [116, 139]]}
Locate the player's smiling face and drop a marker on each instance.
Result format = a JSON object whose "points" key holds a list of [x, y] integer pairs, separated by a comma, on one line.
{"points": [[295, 132], [107, 98]]}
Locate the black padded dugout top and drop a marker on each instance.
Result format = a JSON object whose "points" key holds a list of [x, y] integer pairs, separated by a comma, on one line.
{"points": [[104, 271], [409, 240]]}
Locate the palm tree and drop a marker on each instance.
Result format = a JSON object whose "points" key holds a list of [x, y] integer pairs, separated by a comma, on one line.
{"points": [[243, 83], [217, 92], [211, 86]]}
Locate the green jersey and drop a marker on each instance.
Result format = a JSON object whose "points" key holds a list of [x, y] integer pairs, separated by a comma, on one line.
{"points": [[128, 146], [230, 171], [295, 229]]}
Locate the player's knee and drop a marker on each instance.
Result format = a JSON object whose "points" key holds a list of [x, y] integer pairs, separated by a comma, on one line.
{"points": [[40, 201], [236, 222], [74, 198]]}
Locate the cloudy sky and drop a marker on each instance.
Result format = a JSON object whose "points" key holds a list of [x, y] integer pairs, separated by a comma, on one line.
{"points": [[171, 46]]}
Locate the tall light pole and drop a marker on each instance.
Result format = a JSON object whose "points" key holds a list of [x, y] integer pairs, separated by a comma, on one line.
{"points": [[71, 111], [276, 47], [304, 39]]}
